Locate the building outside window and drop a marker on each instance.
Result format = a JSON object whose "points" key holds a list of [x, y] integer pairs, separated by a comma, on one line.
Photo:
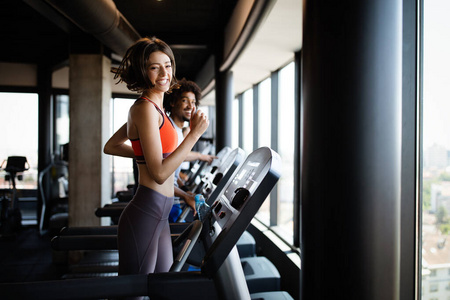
{"points": [[434, 287], [436, 150]]}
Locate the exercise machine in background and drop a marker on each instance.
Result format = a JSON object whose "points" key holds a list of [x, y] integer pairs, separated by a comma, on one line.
{"points": [[11, 217], [53, 184]]}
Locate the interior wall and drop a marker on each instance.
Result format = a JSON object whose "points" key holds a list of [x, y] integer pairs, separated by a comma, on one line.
{"points": [[25, 75], [15, 74], [60, 79], [236, 23]]}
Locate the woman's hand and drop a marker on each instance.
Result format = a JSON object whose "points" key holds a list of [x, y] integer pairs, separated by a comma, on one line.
{"points": [[208, 158], [199, 122], [190, 201]]}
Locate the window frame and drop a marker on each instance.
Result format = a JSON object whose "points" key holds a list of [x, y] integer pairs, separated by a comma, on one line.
{"points": [[274, 100]]}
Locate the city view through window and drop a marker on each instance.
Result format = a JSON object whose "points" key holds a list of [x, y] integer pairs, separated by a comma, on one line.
{"points": [[435, 269]]}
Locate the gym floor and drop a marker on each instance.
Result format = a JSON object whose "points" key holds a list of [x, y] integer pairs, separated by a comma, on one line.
{"points": [[27, 256]]}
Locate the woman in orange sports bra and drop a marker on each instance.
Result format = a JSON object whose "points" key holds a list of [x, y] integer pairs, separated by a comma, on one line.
{"points": [[144, 240]]}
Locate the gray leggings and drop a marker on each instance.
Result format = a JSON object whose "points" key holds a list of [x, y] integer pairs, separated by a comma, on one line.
{"points": [[144, 239]]}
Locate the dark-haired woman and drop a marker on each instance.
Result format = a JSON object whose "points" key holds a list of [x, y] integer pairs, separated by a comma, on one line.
{"points": [[145, 246]]}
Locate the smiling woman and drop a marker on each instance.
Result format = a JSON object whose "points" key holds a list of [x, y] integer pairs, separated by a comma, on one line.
{"points": [[143, 233]]}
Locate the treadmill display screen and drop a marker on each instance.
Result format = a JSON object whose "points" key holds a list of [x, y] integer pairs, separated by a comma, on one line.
{"points": [[245, 178]]}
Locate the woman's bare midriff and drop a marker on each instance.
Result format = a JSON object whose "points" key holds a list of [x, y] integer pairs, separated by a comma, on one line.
{"points": [[166, 189]]}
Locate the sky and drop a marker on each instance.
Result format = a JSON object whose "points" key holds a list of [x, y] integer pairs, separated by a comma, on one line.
{"points": [[436, 76]]}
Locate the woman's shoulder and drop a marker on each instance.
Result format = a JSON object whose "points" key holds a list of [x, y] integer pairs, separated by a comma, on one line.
{"points": [[141, 105], [144, 110]]}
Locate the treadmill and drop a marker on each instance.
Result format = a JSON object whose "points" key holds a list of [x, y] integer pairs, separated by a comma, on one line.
{"points": [[220, 276], [105, 237], [227, 160]]}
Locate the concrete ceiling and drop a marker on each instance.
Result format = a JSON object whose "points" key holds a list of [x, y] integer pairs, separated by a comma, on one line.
{"points": [[35, 32], [273, 46]]}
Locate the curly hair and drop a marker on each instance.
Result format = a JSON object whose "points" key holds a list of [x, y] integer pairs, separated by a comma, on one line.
{"points": [[182, 86], [133, 68]]}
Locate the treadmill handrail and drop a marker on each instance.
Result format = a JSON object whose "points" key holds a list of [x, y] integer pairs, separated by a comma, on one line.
{"points": [[190, 237]]}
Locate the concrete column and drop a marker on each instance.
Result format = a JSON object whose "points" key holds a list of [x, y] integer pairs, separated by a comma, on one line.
{"points": [[45, 130], [351, 159], [224, 108], [89, 174]]}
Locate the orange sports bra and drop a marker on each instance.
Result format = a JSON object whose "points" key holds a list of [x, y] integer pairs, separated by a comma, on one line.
{"points": [[167, 132]]}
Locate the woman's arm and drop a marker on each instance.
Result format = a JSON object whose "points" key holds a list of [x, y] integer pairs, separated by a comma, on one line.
{"points": [[116, 144], [188, 197], [199, 156]]}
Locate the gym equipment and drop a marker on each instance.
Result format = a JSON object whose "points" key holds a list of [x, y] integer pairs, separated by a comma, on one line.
{"points": [[271, 296], [221, 275], [109, 210], [217, 176], [198, 167], [212, 168], [246, 245], [223, 169], [105, 260], [99, 238], [90, 238], [55, 199], [260, 273], [11, 217]]}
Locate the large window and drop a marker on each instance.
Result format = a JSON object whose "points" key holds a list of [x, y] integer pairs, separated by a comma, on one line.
{"points": [[286, 131], [264, 109], [247, 121], [235, 124], [436, 150], [122, 168], [62, 120], [281, 218], [19, 135], [264, 136]]}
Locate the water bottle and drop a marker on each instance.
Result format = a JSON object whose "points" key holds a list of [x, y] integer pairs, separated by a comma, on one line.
{"points": [[201, 207]]}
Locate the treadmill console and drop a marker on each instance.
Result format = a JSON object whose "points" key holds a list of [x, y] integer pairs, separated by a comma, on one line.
{"points": [[240, 188], [238, 202]]}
